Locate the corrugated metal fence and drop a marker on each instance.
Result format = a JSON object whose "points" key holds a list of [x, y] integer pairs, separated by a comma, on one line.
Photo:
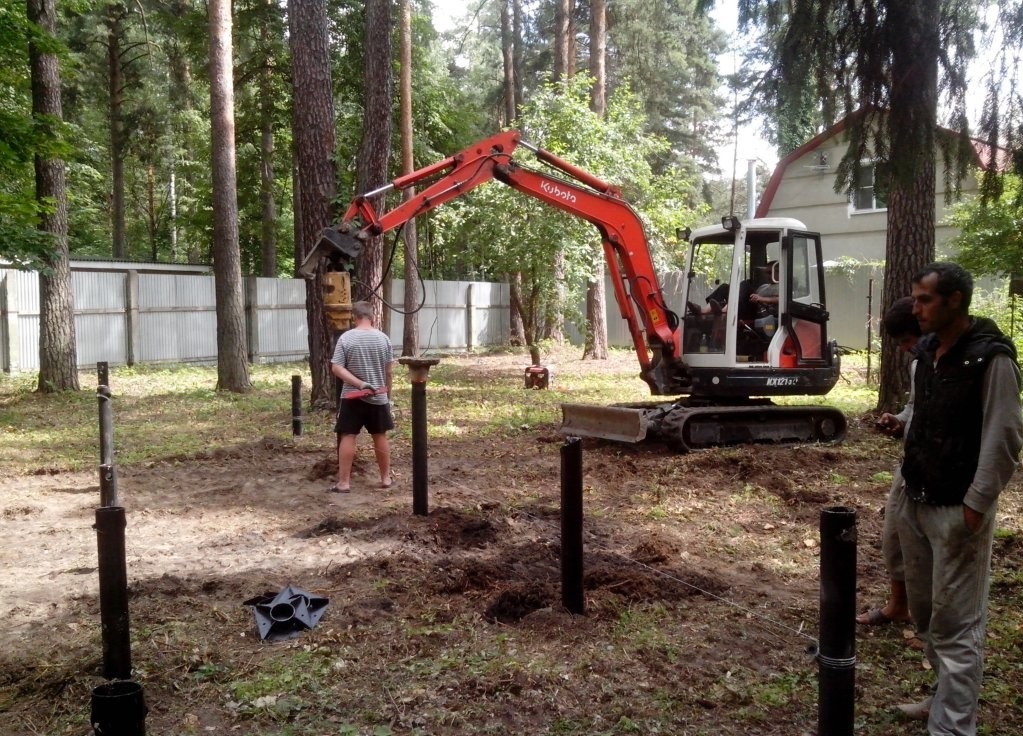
{"points": [[130, 316]]}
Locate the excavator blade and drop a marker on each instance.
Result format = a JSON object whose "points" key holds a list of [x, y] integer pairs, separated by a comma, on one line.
{"points": [[619, 423], [686, 427]]}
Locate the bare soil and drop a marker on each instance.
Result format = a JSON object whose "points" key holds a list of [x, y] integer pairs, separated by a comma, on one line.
{"points": [[701, 592]]}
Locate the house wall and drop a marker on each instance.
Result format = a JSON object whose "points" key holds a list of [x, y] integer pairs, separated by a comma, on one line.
{"points": [[807, 192]]}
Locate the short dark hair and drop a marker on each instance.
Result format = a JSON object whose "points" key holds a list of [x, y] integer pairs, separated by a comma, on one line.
{"points": [[899, 319], [951, 278], [362, 310]]}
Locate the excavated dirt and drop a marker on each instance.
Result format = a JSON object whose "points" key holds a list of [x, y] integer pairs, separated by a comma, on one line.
{"points": [[700, 586]]}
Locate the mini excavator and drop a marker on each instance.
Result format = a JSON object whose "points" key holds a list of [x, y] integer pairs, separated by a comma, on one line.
{"points": [[720, 360]]}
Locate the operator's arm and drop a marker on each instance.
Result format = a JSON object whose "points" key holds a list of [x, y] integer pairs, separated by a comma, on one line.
{"points": [[1001, 434]]}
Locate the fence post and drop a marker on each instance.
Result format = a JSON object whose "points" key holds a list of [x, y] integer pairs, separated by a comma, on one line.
{"points": [[252, 316], [296, 406], [113, 593], [132, 328], [9, 359], [470, 321], [837, 655], [419, 370], [572, 526]]}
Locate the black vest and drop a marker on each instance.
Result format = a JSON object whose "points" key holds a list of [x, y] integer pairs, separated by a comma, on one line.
{"points": [[943, 444]]}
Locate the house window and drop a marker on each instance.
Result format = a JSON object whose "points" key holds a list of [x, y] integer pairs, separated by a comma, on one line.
{"points": [[866, 195]]}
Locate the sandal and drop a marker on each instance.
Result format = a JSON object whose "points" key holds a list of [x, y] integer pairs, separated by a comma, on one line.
{"points": [[874, 617], [338, 489]]}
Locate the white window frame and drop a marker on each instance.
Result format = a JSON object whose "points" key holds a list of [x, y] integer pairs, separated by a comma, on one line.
{"points": [[853, 209]]}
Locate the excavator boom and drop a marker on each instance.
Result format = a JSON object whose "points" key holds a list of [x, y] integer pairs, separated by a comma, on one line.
{"points": [[654, 329]]}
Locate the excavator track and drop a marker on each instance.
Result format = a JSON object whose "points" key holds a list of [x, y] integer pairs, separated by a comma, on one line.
{"points": [[691, 427]]}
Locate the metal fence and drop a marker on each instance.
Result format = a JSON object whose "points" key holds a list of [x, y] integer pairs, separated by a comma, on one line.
{"points": [[127, 317], [130, 316]]}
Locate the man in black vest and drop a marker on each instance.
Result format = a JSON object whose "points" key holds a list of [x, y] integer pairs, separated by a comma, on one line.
{"points": [[961, 450]]}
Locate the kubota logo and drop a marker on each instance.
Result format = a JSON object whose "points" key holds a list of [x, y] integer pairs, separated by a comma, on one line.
{"points": [[555, 191]]}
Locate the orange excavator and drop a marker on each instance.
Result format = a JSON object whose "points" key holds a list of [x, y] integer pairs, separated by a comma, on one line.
{"points": [[722, 357]]}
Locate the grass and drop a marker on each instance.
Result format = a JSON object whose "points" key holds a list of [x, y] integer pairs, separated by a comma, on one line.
{"points": [[640, 666], [161, 411]]}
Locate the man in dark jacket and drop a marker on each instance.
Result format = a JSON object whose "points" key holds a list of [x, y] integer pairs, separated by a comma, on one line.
{"points": [[961, 450]]}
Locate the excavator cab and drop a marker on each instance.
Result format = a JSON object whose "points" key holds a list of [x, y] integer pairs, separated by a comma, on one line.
{"points": [[755, 321]]}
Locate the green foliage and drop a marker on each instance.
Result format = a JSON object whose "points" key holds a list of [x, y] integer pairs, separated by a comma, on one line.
{"points": [[990, 241], [667, 53], [497, 230], [20, 240]]}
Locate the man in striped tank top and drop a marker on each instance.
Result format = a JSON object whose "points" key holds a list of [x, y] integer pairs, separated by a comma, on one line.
{"points": [[363, 360]]}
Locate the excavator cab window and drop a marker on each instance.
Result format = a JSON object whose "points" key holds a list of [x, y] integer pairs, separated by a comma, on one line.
{"points": [[709, 298]]}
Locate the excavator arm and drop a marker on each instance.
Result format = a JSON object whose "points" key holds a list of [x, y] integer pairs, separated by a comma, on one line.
{"points": [[654, 328]]}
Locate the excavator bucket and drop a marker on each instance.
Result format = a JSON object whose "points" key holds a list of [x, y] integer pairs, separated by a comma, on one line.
{"points": [[619, 423]]}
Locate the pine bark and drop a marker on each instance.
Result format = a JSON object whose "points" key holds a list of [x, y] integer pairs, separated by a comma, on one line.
{"points": [[410, 334], [912, 123], [554, 327], [562, 39], [595, 345], [517, 329], [115, 18], [375, 147], [268, 204], [232, 366], [508, 62], [57, 349], [518, 25], [315, 171]]}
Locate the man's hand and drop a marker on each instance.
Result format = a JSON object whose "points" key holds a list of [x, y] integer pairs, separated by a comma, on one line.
{"points": [[365, 386], [973, 519], [890, 425]]}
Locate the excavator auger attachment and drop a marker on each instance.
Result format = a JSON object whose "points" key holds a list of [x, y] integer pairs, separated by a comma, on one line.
{"points": [[690, 426]]}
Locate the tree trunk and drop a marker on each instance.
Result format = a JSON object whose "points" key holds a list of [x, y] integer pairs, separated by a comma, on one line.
{"points": [[375, 147], [598, 56], [315, 171], [912, 122], [232, 368], [57, 351], [518, 24], [410, 335], [517, 328], [562, 39], [180, 68], [151, 219], [508, 60], [595, 345], [554, 323], [268, 216], [115, 16]]}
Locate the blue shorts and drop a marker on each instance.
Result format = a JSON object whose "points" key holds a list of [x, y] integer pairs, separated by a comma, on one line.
{"points": [[354, 414]]}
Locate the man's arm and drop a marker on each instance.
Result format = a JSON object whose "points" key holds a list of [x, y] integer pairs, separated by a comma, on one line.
{"points": [[347, 376], [1001, 435]]}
